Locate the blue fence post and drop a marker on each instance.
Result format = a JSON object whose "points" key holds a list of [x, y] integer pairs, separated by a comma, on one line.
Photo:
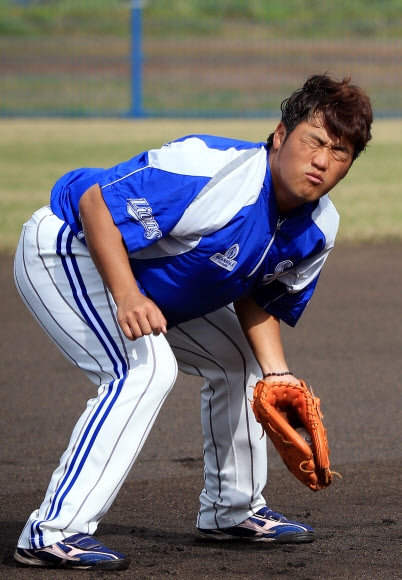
{"points": [[136, 58]]}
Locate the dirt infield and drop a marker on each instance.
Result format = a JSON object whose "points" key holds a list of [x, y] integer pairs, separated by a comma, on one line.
{"points": [[348, 345]]}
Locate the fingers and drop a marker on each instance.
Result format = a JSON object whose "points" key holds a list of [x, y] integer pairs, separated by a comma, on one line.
{"points": [[142, 320], [143, 328]]}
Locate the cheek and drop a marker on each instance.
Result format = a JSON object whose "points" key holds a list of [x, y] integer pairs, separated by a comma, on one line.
{"points": [[291, 162], [339, 173]]}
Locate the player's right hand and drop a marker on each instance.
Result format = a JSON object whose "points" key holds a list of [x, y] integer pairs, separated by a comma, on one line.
{"points": [[138, 316]]}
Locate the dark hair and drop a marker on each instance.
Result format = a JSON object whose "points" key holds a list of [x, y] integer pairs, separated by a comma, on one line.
{"points": [[345, 108]]}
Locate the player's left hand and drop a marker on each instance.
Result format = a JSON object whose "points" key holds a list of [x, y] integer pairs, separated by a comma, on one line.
{"points": [[283, 407]]}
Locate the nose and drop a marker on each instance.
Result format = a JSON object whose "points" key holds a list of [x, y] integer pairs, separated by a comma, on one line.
{"points": [[321, 158]]}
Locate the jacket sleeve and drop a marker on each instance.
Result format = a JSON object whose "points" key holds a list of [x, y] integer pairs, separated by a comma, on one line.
{"points": [[287, 296]]}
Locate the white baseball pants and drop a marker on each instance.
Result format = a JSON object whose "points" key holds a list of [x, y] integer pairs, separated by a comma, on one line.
{"points": [[59, 283]]}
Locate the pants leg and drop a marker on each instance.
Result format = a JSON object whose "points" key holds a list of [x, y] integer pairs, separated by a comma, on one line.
{"points": [[62, 288], [235, 455]]}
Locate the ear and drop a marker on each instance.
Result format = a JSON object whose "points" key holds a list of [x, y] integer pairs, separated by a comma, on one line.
{"points": [[279, 135]]}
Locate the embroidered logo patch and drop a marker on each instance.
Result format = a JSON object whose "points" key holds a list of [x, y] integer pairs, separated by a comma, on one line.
{"points": [[279, 270], [226, 260], [141, 211]]}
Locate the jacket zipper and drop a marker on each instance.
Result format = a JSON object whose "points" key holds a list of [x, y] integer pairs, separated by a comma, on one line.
{"points": [[278, 227]]}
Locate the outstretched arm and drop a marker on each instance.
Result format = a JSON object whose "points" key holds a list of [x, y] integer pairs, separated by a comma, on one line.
{"points": [[263, 333], [137, 315]]}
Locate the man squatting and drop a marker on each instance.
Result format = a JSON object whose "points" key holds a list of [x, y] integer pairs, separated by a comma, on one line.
{"points": [[184, 257]]}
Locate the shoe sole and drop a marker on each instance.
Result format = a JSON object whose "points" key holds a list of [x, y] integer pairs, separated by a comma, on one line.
{"points": [[299, 538], [107, 565]]}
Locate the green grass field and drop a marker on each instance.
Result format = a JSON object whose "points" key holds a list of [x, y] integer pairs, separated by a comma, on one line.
{"points": [[35, 152], [324, 18]]}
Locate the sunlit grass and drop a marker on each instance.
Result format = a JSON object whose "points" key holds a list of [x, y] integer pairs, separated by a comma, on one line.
{"points": [[34, 153]]}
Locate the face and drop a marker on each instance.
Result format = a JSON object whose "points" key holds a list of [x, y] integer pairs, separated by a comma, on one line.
{"points": [[308, 164]]}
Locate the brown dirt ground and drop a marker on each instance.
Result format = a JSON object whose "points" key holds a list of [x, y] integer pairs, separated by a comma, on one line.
{"points": [[348, 346]]}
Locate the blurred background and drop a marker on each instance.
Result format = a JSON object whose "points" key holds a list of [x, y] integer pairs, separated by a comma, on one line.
{"points": [[203, 58]]}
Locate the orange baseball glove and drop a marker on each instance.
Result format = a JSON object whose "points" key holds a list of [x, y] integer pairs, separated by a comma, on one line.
{"points": [[282, 408]]}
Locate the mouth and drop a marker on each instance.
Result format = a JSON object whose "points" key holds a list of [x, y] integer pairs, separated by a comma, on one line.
{"points": [[315, 178]]}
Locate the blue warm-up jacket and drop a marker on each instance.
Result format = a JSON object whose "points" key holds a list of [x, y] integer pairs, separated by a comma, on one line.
{"points": [[201, 226]]}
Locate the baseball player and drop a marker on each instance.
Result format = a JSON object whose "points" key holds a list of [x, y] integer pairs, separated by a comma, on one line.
{"points": [[187, 257]]}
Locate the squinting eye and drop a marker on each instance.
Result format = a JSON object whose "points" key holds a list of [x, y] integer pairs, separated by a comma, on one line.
{"points": [[340, 155], [313, 144]]}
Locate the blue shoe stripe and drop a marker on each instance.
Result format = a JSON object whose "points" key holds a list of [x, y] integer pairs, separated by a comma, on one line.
{"points": [[89, 553], [120, 367]]}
